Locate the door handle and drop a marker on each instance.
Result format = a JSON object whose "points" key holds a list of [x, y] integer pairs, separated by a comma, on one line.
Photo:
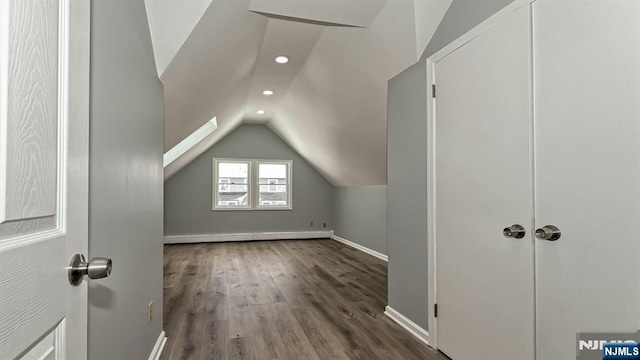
{"points": [[96, 268], [515, 231], [548, 232]]}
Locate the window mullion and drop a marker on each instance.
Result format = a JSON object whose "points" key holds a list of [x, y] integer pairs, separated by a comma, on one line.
{"points": [[254, 181]]}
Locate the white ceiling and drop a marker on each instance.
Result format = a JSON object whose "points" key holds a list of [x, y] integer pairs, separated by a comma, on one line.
{"points": [[344, 12], [172, 21], [330, 99]]}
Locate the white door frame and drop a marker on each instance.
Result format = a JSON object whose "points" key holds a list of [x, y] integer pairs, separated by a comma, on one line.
{"points": [[431, 154]]}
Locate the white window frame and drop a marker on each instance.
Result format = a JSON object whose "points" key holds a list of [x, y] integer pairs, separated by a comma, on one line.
{"points": [[215, 183], [288, 184], [253, 185]]}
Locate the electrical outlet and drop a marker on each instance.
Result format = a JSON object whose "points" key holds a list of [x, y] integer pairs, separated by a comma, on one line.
{"points": [[324, 225], [150, 312], [311, 223]]}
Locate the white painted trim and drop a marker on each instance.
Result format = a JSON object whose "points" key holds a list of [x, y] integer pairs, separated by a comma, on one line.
{"points": [[60, 340], [4, 102], [158, 347], [188, 239], [431, 62], [415, 330], [365, 249], [431, 194], [63, 110]]}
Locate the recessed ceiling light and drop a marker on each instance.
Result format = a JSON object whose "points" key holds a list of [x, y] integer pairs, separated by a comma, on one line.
{"points": [[268, 92], [281, 59], [260, 112]]}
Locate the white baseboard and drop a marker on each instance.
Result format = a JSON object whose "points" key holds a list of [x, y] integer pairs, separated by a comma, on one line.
{"points": [[415, 330], [188, 239], [360, 247], [158, 347]]}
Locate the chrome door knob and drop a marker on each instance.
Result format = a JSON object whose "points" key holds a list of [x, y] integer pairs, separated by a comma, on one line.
{"points": [[96, 268], [548, 232], [515, 231]]}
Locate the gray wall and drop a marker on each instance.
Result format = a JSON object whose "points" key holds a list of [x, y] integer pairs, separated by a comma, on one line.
{"points": [[360, 215], [125, 209], [407, 193], [406, 201], [188, 194]]}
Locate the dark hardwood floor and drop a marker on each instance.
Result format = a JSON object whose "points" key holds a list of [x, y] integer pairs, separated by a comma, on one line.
{"points": [[284, 300]]}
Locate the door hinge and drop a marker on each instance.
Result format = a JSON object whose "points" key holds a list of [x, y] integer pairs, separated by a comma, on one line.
{"points": [[435, 310], [433, 90]]}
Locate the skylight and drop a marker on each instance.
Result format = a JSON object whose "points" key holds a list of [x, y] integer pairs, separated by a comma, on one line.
{"points": [[189, 142]]}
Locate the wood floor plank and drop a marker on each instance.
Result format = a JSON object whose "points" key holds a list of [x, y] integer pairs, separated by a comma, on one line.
{"points": [[239, 321], [189, 333], [297, 344], [175, 302], [326, 345], [216, 341], [360, 354], [268, 342], [217, 299], [241, 348], [280, 300]]}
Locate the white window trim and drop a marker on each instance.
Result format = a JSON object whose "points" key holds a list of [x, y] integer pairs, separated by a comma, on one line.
{"points": [[289, 185], [253, 185], [214, 183]]}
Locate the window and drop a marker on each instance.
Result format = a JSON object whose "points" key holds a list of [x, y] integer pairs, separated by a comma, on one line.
{"points": [[241, 184], [273, 183], [232, 184]]}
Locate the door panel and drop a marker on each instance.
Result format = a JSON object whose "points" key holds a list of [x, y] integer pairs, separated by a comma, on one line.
{"points": [[29, 118], [49, 347], [31, 111], [483, 184], [43, 175], [587, 91], [31, 279]]}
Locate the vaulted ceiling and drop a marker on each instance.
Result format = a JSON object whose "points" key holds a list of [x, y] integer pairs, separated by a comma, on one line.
{"points": [[329, 102]]}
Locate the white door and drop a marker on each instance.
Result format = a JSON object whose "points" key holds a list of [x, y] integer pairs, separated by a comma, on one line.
{"points": [[44, 118], [587, 109], [483, 164]]}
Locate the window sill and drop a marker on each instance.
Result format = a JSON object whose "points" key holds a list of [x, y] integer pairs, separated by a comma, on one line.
{"points": [[256, 209]]}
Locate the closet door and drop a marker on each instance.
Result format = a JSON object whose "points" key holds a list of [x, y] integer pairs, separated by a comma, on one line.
{"points": [[587, 165], [483, 182]]}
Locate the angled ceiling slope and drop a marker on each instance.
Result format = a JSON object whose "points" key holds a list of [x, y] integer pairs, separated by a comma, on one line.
{"points": [[170, 23], [294, 39], [429, 14], [212, 73], [329, 101], [341, 93], [358, 13]]}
